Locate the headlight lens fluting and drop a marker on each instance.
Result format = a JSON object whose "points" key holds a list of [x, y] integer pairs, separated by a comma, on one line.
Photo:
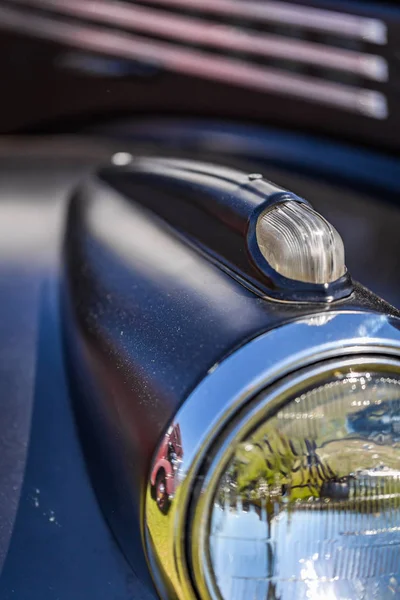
{"points": [[307, 505]]}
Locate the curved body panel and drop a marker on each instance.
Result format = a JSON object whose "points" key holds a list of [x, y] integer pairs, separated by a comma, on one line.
{"points": [[147, 316]]}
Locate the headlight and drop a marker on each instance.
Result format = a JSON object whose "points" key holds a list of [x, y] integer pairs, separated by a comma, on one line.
{"points": [[303, 498], [289, 485]]}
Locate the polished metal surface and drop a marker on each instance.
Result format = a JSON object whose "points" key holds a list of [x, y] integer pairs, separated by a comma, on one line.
{"points": [[229, 387]]}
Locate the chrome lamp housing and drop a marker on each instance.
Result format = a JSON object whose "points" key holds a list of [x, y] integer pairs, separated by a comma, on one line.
{"points": [[308, 413]]}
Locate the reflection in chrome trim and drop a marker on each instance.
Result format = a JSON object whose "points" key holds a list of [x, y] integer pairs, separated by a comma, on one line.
{"points": [[166, 467], [367, 102], [217, 399], [225, 37], [317, 19]]}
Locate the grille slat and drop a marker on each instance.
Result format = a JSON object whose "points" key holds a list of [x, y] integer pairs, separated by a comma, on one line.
{"points": [[327, 21], [222, 37]]}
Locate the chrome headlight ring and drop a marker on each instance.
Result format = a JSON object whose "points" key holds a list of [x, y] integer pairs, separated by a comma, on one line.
{"points": [[209, 415]]}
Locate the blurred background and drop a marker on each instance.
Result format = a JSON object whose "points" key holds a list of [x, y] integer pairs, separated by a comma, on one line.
{"points": [[324, 65]]}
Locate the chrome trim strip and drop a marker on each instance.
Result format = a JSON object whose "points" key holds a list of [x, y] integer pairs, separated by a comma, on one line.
{"points": [[227, 388], [363, 101], [317, 19], [225, 37]]}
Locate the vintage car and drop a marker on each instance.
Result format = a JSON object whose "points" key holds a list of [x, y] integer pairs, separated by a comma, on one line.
{"points": [[199, 300]]}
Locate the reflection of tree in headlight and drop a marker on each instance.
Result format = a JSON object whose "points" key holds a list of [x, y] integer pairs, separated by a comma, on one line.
{"points": [[281, 469], [282, 472]]}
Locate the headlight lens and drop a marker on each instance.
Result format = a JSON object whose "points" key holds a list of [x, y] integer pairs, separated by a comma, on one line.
{"points": [[306, 504]]}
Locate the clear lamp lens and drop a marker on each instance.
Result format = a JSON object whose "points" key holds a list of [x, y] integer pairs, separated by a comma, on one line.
{"points": [[300, 244], [308, 506]]}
